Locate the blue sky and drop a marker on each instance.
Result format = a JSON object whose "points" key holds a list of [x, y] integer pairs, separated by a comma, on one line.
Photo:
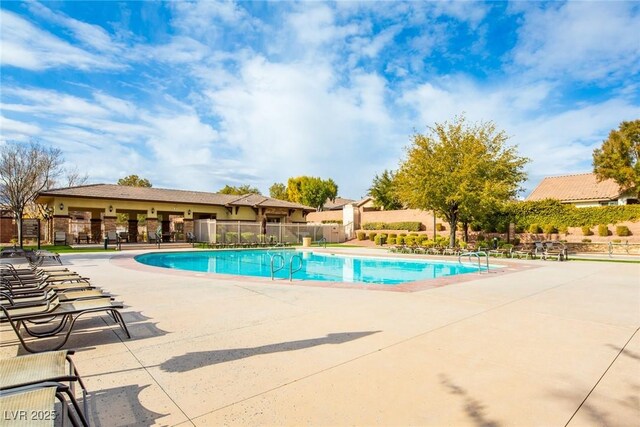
{"points": [[199, 95]]}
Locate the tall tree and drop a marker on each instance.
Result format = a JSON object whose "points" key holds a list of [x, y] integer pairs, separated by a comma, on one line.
{"points": [[25, 170], [459, 171], [311, 191], [618, 157], [240, 191], [278, 191], [135, 181], [383, 191]]}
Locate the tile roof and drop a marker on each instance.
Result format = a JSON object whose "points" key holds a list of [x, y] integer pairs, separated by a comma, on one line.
{"points": [[575, 188], [124, 192], [337, 204]]}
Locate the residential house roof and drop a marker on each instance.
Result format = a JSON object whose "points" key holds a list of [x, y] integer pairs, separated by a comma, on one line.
{"points": [[124, 192], [582, 187]]}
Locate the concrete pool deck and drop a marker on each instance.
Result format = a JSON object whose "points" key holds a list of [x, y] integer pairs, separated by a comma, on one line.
{"points": [[555, 345]]}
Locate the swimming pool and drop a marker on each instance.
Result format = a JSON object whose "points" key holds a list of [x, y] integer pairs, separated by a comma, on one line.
{"points": [[313, 266]]}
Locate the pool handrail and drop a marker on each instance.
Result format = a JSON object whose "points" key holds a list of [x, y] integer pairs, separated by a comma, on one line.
{"points": [[291, 270], [273, 269], [476, 254]]}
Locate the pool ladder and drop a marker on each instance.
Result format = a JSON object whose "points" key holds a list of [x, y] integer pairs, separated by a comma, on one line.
{"points": [[275, 268], [476, 255]]}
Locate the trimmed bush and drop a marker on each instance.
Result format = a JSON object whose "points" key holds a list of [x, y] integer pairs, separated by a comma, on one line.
{"points": [[361, 235], [421, 238], [623, 230], [586, 231], [407, 225], [372, 236], [392, 240], [439, 227], [603, 230], [394, 235], [616, 241], [534, 229], [380, 239], [549, 229], [410, 240], [400, 240], [331, 221], [586, 240], [402, 235]]}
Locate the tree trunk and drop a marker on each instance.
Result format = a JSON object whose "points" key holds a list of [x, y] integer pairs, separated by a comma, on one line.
{"points": [[19, 225], [465, 227], [453, 226]]}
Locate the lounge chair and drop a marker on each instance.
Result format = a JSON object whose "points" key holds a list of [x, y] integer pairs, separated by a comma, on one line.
{"points": [[36, 405], [35, 371], [60, 238], [83, 237], [67, 312], [525, 251], [554, 250]]}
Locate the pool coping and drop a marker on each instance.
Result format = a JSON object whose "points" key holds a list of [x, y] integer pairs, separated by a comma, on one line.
{"points": [[505, 266]]}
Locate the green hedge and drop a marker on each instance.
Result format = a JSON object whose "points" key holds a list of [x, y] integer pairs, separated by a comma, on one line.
{"points": [[553, 212], [408, 225], [361, 235], [603, 230], [331, 221]]}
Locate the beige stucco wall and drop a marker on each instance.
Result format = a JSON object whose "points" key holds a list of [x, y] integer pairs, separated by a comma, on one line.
{"points": [[324, 216]]}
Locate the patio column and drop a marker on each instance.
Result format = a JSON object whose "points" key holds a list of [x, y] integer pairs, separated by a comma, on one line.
{"points": [[152, 226], [96, 229], [133, 228], [166, 227], [187, 226], [61, 223], [109, 224]]}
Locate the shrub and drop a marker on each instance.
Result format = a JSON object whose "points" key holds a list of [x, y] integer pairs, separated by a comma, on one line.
{"points": [[400, 240], [549, 229], [402, 235], [361, 235], [413, 234], [439, 227], [421, 238], [534, 229], [520, 228], [394, 235], [408, 225], [380, 239], [586, 240], [616, 241], [623, 230], [392, 240], [516, 241], [586, 231], [603, 230], [475, 226], [480, 237], [247, 236], [231, 237], [331, 221], [372, 236], [563, 229], [410, 240]]}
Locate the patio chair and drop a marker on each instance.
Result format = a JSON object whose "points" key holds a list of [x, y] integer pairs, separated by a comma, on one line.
{"points": [[191, 238], [83, 237], [112, 237], [554, 250], [38, 370], [525, 251], [60, 238], [123, 236], [67, 313]]}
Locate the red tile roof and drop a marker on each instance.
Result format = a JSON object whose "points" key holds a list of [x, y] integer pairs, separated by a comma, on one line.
{"points": [[575, 188]]}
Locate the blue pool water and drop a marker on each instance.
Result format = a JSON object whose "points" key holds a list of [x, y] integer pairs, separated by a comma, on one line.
{"points": [[315, 266]]}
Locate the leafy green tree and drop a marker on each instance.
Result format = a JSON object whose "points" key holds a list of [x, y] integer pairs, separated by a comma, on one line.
{"points": [[311, 191], [135, 181], [25, 170], [459, 171], [383, 192], [278, 191], [618, 157], [239, 191]]}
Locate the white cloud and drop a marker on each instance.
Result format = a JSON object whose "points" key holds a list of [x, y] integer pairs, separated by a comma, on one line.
{"points": [[14, 129], [26, 46], [581, 40]]}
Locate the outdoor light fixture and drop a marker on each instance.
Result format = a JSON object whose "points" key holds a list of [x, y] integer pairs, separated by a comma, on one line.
{"points": [[110, 208], [153, 210], [189, 212], [61, 206]]}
